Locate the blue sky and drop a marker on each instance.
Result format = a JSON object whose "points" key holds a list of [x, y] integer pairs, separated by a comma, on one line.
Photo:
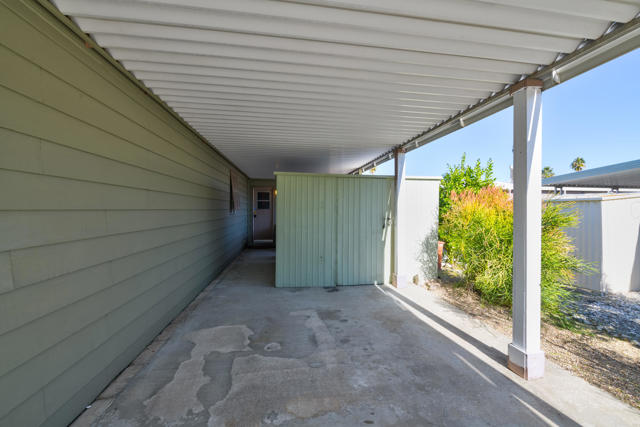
{"points": [[595, 115]]}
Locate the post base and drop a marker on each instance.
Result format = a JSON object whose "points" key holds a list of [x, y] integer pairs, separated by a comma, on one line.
{"points": [[399, 281], [528, 365]]}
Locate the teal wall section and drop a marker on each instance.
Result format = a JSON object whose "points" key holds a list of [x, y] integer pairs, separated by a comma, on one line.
{"points": [[362, 230], [330, 229], [305, 230], [113, 216]]}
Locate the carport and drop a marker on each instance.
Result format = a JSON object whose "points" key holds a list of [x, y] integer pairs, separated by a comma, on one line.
{"points": [[130, 131]]}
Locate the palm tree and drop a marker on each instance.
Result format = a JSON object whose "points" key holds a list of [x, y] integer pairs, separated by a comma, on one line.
{"points": [[577, 164], [547, 172]]}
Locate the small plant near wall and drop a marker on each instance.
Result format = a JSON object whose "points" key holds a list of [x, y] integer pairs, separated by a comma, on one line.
{"points": [[463, 177], [478, 230]]}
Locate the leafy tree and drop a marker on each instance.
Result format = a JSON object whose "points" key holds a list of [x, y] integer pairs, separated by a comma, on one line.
{"points": [[547, 172], [578, 164], [464, 177]]}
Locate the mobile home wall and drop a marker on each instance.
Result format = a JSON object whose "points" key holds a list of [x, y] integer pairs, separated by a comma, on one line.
{"points": [[113, 216]]}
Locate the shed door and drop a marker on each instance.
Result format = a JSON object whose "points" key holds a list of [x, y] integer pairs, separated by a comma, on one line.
{"points": [[305, 242], [363, 207]]}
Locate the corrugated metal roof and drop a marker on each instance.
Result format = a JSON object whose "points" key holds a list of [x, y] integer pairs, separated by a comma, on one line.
{"points": [[620, 175], [326, 85]]}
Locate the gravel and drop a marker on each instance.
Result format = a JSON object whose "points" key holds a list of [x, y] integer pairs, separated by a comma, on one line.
{"points": [[617, 315]]}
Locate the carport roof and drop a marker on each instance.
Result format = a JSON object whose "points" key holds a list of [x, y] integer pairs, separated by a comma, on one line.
{"points": [[332, 85], [620, 175]]}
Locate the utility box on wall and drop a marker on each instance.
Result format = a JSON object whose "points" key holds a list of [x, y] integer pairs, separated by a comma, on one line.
{"points": [[337, 229]]}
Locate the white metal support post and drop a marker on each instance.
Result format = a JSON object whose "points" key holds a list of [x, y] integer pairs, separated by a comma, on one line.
{"points": [[399, 178], [525, 356]]}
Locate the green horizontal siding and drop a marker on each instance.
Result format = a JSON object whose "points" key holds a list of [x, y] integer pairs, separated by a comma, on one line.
{"points": [[330, 230], [113, 216]]}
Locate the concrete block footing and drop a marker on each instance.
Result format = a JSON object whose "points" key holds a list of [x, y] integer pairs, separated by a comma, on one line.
{"points": [[400, 281], [528, 365]]}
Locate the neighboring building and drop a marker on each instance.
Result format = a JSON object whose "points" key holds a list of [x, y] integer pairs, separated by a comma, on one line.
{"points": [[608, 235]]}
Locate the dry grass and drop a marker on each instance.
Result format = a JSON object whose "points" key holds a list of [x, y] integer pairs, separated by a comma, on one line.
{"points": [[606, 362]]}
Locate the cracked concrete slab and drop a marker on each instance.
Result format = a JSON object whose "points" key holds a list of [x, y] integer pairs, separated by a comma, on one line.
{"points": [[248, 354]]}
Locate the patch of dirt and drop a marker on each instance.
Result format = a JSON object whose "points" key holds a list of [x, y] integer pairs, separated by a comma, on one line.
{"points": [[607, 362]]}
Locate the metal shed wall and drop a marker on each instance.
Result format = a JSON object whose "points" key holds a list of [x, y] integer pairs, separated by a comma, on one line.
{"points": [[305, 230], [418, 253], [587, 238], [113, 216], [621, 243], [330, 229], [336, 229], [363, 234], [608, 236]]}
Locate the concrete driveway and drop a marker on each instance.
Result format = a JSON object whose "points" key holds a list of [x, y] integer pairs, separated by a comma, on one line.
{"points": [[245, 354]]}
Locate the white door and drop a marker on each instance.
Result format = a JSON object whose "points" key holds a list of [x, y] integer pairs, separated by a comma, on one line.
{"points": [[262, 213]]}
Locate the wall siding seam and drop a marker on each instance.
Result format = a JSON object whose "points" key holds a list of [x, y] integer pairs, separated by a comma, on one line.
{"points": [[11, 276]]}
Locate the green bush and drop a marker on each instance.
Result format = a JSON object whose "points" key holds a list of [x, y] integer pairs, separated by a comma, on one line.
{"points": [[463, 177], [478, 231]]}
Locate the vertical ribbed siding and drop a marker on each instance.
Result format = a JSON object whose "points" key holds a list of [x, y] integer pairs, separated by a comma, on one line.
{"points": [[305, 221], [588, 241], [607, 237], [620, 267], [361, 213], [330, 230], [113, 216]]}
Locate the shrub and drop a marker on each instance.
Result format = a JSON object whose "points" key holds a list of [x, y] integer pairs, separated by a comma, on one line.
{"points": [[478, 231], [463, 177]]}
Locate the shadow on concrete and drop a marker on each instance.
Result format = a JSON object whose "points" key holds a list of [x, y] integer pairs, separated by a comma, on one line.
{"points": [[528, 400], [322, 358], [489, 351]]}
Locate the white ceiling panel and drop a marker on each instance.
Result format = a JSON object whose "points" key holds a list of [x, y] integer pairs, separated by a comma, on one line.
{"points": [[327, 85]]}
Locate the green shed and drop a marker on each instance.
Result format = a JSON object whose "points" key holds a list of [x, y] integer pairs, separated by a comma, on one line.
{"points": [[336, 230]]}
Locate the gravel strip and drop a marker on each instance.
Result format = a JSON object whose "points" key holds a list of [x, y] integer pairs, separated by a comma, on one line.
{"points": [[617, 315]]}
